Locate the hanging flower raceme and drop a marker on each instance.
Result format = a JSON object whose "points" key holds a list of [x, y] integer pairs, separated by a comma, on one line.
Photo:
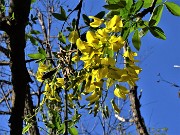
{"points": [[98, 61]]}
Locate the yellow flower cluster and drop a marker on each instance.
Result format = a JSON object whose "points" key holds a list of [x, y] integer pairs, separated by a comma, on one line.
{"points": [[50, 86], [101, 66]]}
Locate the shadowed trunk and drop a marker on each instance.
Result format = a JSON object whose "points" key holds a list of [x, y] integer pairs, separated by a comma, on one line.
{"points": [[19, 11]]}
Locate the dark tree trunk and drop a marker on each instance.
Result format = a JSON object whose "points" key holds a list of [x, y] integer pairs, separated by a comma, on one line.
{"points": [[19, 10], [19, 77]]}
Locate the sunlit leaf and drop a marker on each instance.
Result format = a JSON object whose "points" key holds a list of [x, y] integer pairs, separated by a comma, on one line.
{"points": [[73, 131], [137, 6], [136, 40], [148, 3], [156, 15], [42, 51], [37, 56], [173, 8], [26, 128], [112, 1]]}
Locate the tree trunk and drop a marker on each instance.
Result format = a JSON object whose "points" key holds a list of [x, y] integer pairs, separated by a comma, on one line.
{"points": [[19, 11]]}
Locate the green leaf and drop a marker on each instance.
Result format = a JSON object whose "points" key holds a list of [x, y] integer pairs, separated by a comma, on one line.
{"points": [[136, 40], [129, 4], [32, 1], [173, 8], [37, 56], [126, 30], [62, 38], [26, 128], [156, 15], [157, 32], [42, 51], [74, 23], [110, 53], [73, 131], [33, 40], [138, 5], [111, 13], [112, 7], [100, 14], [59, 16], [86, 19], [112, 1], [119, 5], [148, 3], [56, 121], [35, 32], [125, 33], [63, 12]]}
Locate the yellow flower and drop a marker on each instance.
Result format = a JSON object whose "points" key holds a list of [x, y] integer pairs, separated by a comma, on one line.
{"points": [[102, 35], [83, 46], [47, 88], [73, 36], [130, 55], [115, 24], [39, 76], [121, 92], [60, 82], [116, 43], [91, 37], [97, 22], [42, 67], [108, 61], [100, 73]]}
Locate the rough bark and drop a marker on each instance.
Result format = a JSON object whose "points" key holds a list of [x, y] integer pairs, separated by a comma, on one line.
{"points": [[135, 107]]}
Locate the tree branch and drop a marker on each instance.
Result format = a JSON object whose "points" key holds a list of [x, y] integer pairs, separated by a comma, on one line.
{"points": [[4, 63], [4, 50], [135, 107], [147, 10]]}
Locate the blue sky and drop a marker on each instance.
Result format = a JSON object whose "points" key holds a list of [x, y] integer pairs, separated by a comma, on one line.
{"points": [[160, 101]]}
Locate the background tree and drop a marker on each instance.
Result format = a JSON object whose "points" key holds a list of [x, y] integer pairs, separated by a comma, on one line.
{"points": [[59, 66]]}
